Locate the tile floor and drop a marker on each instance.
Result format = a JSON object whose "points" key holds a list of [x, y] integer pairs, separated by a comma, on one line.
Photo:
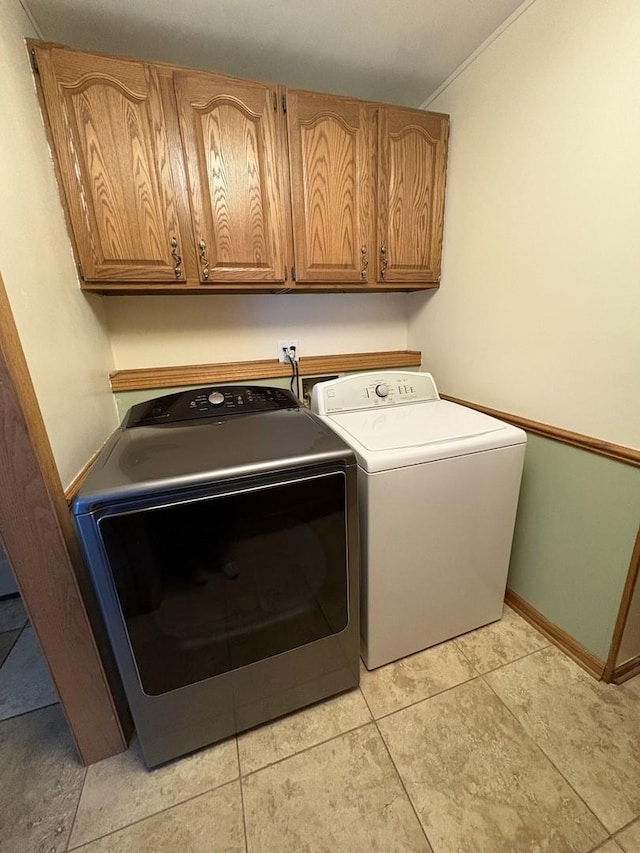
{"points": [[492, 742]]}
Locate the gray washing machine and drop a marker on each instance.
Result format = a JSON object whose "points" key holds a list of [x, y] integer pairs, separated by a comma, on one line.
{"points": [[220, 528]]}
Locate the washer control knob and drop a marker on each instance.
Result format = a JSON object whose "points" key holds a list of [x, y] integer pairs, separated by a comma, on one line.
{"points": [[382, 390], [216, 398]]}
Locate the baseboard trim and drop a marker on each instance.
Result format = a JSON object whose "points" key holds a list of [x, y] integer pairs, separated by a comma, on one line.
{"points": [[626, 670], [628, 594], [565, 642]]}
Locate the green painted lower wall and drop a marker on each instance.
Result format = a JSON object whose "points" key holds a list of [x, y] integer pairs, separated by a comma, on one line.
{"points": [[577, 522]]}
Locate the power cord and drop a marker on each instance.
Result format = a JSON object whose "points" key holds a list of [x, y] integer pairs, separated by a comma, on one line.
{"points": [[295, 374], [296, 366]]}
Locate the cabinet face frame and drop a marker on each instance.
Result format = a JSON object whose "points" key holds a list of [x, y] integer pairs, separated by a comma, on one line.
{"points": [[237, 202], [124, 230], [331, 194], [410, 194]]}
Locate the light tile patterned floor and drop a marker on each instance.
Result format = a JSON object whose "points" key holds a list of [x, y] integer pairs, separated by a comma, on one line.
{"points": [[492, 743], [25, 683]]}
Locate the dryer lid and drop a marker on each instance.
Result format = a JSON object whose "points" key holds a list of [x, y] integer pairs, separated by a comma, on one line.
{"points": [[151, 460], [414, 425]]}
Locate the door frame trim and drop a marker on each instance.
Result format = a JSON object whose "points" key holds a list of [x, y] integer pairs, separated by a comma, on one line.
{"points": [[44, 552]]}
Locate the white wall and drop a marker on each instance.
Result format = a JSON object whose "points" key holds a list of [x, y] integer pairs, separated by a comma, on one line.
{"points": [[173, 330], [538, 313], [63, 332]]}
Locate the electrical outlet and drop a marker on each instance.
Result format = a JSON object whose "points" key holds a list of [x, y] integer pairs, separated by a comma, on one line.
{"points": [[290, 344]]}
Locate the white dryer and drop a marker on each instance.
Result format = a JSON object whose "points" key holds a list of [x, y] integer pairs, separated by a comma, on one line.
{"points": [[438, 487]]}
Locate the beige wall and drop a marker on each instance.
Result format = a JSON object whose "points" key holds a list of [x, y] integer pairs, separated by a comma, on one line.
{"points": [[62, 331], [158, 331], [538, 312]]}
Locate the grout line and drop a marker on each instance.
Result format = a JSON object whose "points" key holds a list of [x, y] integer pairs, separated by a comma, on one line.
{"points": [[373, 720], [515, 660], [541, 749], [464, 654], [18, 634], [29, 711], [479, 674], [239, 779], [366, 702], [626, 826], [308, 748], [404, 787], [244, 814], [21, 631], [75, 813], [600, 846], [152, 814], [426, 698]]}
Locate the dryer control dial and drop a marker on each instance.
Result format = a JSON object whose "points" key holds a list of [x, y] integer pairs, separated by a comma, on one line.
{"points": [[382, 390], [216, 399]]}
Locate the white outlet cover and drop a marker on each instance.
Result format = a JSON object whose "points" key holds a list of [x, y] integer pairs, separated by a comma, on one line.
{"points": [[287, 342]]}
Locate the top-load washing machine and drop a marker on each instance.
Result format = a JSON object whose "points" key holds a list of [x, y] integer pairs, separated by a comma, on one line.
{"points": [[438, 486]]}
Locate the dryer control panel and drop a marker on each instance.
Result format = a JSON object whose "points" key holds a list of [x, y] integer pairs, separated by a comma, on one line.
{"points": [[372, 390], [203, 403]]}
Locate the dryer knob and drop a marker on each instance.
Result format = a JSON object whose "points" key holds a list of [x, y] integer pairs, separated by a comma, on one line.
{"points": [[216, 398], [382, 390]]}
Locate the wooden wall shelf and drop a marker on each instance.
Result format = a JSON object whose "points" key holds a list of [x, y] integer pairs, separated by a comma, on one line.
{"points": [[141, 379]]}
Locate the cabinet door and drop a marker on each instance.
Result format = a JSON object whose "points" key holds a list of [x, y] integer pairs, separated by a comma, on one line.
{"points": [[107, 127], [235, 160], [330, 189], [412, 157]]}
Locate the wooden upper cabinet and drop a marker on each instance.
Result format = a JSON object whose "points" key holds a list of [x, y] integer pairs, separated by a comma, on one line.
{"points": [[186, 181], [235, 163], [107, 125], [411, 168], [330, 187]]}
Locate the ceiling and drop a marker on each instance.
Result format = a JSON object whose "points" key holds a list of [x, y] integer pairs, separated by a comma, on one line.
{"points": [[399, 51]]}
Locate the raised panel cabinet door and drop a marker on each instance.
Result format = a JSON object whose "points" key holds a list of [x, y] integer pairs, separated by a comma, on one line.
{"points": [[235, 160], [107, 126], [412, 159], [330, 189]]}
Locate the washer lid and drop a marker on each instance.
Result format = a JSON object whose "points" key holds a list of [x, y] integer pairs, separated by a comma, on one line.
{"points": [[414, 425]]}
